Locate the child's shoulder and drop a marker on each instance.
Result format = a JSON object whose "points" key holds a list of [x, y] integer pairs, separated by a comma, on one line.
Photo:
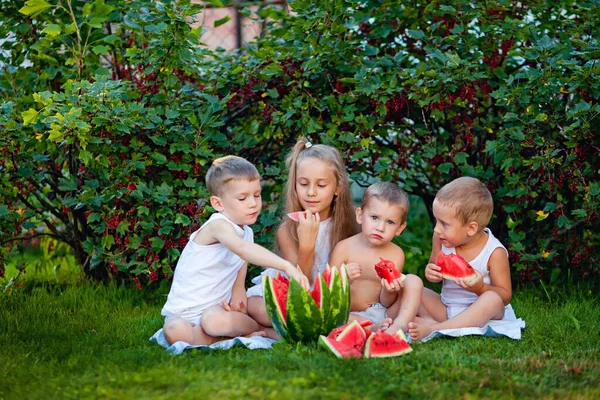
{"points": [[349, 241]]}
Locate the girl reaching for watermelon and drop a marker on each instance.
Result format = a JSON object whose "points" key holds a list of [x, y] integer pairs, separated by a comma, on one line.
{"points": [[317, 194], [473, 292]]}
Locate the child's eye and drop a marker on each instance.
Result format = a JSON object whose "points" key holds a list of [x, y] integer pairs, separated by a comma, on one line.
{"points": [[257, 195], [374, 217], [242, 199], [391, 223], [322, 186]]}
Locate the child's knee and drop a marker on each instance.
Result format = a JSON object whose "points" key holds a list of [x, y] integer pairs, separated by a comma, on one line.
{"points": [[493, 299], [413, 281], [175, 329], [214, 322]]}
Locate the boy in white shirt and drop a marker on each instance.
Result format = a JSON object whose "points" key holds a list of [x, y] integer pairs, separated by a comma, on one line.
{"points": [[207, 300]]}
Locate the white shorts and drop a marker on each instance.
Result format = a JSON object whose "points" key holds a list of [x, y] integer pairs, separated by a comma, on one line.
{"points": [[191, 315], [375, 313]]}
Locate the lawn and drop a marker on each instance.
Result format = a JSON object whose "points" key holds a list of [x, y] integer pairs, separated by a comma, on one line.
{"points": [[79, 340]]}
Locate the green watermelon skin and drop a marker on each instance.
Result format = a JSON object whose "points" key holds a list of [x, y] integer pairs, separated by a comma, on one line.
{"points": [[340, 350], [304, 322], [273, 310]]}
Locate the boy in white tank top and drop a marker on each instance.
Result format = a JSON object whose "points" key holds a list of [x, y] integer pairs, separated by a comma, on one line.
{"points": [[207, 301], [462, 210]]}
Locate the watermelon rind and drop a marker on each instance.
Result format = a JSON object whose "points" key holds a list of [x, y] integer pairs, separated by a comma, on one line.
{"points": [[274, 312], [466, 278], [337, 302], [370, 352], [353, 335], [303, 321], [345, 304], [325, 300], [336, 348]]}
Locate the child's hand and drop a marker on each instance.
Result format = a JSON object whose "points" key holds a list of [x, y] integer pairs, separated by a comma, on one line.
{"points": [[354, 271], [474, 285], [308, 228], [296, 273], [432, 273], [240, 307], [393, 287]]}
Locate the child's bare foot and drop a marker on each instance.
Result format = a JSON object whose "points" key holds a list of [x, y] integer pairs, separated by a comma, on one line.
{"points": [[424, 321], [270, 333], [394, 328], [256, 333], [383, 325], [419, 331]]}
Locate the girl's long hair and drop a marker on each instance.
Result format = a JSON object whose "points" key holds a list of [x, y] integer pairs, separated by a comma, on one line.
{"points": [[342, 208]]}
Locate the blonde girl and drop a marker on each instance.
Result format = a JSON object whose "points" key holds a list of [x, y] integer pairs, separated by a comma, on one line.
{"points": [[318, 187]]}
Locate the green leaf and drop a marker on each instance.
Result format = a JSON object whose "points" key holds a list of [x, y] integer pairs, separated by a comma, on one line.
{"points": [[445, 167], [30, 116], [222, 21], [416, 34], [52, 30], [100, 49], [182, 219], [157, 243], [216, 3], [35, 7]]}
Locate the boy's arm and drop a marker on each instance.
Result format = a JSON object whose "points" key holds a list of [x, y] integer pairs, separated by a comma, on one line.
{"points": [[499, 277], [238, 294], [341, 255], [224, 233], [432, 271]]}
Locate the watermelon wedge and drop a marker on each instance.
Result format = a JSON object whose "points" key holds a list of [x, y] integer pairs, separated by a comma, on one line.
{"points": [[386, 269], [454, 267], [382, 344], [336, 331], [340, 350], [295, 216], [353, 335]]}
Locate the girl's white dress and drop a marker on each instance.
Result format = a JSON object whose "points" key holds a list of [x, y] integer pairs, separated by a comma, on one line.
{"points": [[322, 253]]}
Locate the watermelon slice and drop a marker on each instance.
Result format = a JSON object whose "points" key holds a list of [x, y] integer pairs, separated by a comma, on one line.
{"points": [[353, 335], [382, 344], [295, 216], [336, 331], [340, 350], [386, 269], [454, 267], [327, 275]]}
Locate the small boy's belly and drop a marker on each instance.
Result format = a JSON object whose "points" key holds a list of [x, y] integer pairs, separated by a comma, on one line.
{"points": [[364, 293]]}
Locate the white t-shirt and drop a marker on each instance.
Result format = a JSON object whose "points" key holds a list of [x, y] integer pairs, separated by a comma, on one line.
{"points": [[454, 295], [204, 275]]}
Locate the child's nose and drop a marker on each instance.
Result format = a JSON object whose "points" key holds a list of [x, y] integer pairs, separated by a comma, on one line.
{"points": [[311, 190]]}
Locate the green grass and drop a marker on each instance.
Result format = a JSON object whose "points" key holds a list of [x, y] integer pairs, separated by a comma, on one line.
{"points": [[80, 340]]}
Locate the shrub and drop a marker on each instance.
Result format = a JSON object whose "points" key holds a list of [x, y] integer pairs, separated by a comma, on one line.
{"points": [[110, 154]]}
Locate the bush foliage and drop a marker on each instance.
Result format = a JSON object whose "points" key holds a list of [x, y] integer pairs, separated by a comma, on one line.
{"points": [[112, 111]]}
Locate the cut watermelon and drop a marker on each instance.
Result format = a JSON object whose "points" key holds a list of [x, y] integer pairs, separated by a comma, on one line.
{"points": [[340, 350], [353, 335], [386, 269], [382, 344], [454, 266], [336, 331], [295, 216], [327, 275]]}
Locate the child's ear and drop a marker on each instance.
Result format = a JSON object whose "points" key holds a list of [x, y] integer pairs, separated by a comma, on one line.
{"points": [[216, 203], [472, 228], [359, 215], [400, 229]]}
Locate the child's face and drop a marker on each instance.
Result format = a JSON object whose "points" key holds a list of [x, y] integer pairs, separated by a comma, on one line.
{"points": [[316, 184], [450, 230], [380, 221], [241, 201]]}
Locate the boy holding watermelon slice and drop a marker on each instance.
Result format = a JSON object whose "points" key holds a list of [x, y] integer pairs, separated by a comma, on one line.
{"points": [[374, 263], [207, 300], [474, 294]]}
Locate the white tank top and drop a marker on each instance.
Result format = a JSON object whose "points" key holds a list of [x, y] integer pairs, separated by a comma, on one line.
{"points": [[204, 275], [452, 294]]}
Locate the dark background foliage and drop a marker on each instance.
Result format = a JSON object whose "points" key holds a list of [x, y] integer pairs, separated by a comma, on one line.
{"points": [[112, 111]]}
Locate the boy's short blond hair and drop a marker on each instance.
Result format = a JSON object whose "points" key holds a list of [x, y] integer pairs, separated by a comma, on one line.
{"points": [[226, 169], [471, 200], [390, 193]]}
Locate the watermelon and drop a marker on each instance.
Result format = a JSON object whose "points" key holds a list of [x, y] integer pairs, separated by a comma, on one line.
{"points": [[301, 316], [454, 267], [295, 216], [382, 344], [386, 269], [340, 350], [353, 335], [336, 331]]}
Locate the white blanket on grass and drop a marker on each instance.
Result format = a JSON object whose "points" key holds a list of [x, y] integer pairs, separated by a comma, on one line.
{"points": [[255, 342], [510, 326]]}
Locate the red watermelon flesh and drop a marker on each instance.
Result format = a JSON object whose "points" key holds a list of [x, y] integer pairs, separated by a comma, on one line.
{"points": [[295, 216], [353, 335], [316, 291], [282, 279], [336, 331], [280, 288], [340, 350], [386, 269], [454, 267], [327, 275], [382, 344]]}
